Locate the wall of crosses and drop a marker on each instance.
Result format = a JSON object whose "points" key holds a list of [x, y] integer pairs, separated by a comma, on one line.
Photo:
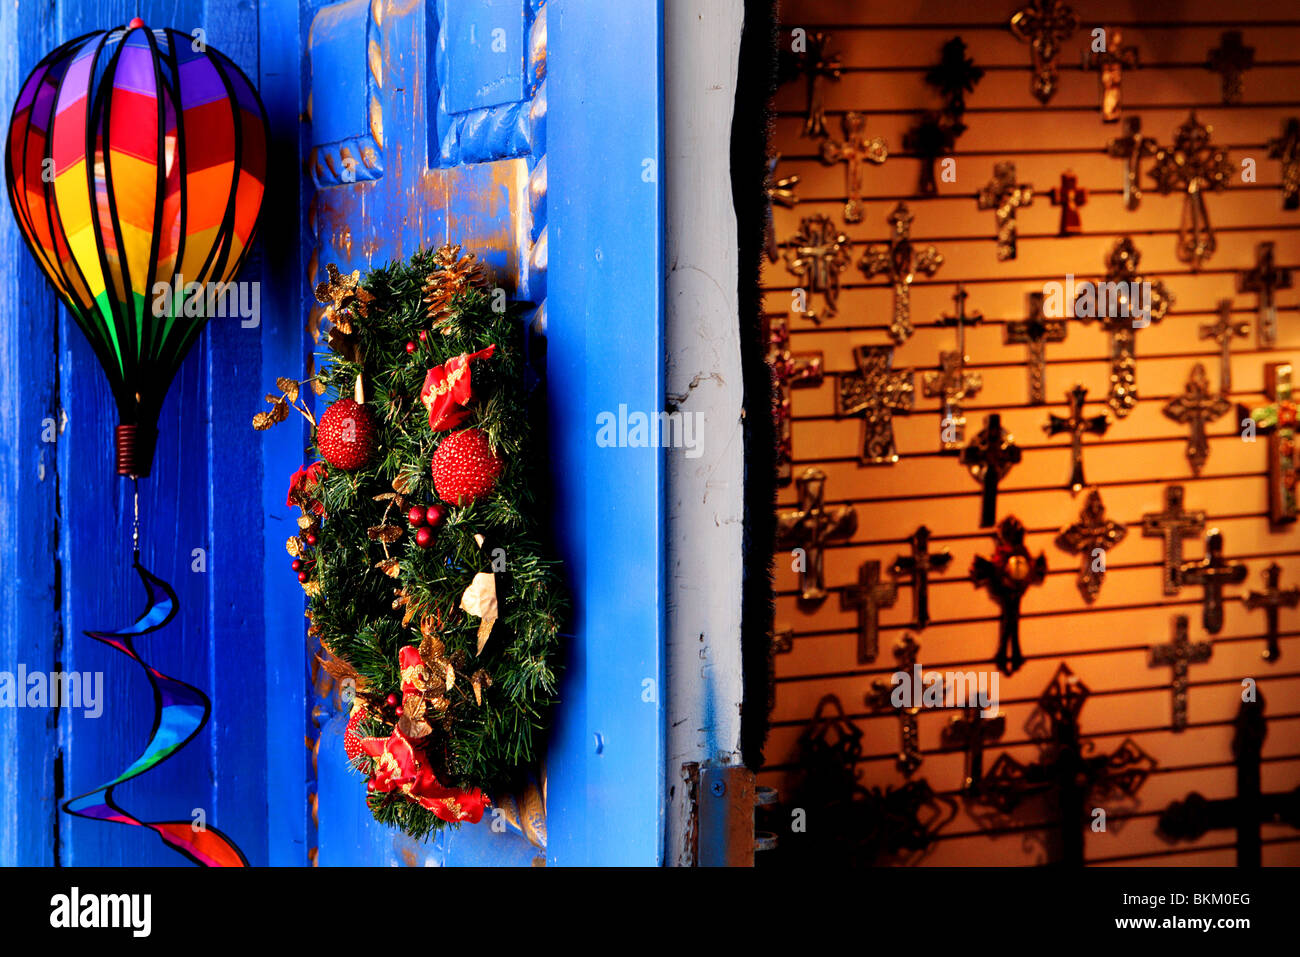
{"points": [[1097, 527]]}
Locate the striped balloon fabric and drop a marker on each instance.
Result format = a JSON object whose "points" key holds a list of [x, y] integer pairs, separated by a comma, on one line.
{"points": [[136, 165]]}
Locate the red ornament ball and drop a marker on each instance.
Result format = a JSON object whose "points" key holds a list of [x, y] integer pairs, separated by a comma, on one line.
{"points": [[464, 468], [424, 537], [302, 577], [311, 540], [346, 435], [410, 347], [296, 565], [391, 700], [434, 515], [416, 515], [424, 335]]}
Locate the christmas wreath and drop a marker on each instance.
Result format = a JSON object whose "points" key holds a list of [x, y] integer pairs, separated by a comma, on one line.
{"points": [[419, 545]]}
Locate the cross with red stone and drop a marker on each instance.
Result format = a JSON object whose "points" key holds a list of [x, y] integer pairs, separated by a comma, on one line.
{"points": [[919, 565], [1212, 573], [1230, 59], [1007, 576], [1278, 421], [1271, 600], [790, 371], [1264, 280], [989, 458], [1076, 424], [867, 597], [1222, 331], [1178, 654], [1035, 332], [854, 151], [1069, 196]]}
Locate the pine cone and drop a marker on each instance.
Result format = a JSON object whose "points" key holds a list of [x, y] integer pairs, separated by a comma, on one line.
{"points": [[454, 274]]}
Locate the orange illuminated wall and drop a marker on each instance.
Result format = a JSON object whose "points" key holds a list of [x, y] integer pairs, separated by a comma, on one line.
{"points": [[886, 49]]}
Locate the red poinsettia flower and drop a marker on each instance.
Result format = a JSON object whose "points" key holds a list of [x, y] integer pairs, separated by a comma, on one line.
{"points": [[302, 482], [446, 390], [400, 766]]}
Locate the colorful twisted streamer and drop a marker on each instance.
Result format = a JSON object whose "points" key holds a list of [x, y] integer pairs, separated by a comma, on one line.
{"points": [[180, 712]]}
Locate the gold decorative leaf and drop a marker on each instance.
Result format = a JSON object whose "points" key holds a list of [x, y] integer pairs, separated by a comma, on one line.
{"points": [[390, 567], [288, 387], [403, 484], [279, 412], [263, 421], [293, 546], [384, 533], [317, 386], [451, 676], [305, 522], [311, 588]]}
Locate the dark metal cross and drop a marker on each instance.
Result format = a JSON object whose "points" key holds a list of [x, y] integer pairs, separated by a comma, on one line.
{"points": [[1194, 408], [1271, 599], [854, 151], [1264, 280], [1121, 308], [1177, 655], [1004, 196], [1173, 525], [1287, 149], [1192, 817], [1193, 166], [960, 319], [1132, 148], [1035, 332], [1007, 576], [867, 597], [817, 255], [952, 384], [1045, 25], [1063, 770], [818, 66], [899, 262], [790, 371], [1277, 420], [1110, 63], [919, 566], [989, 458], [809, 527], [1077, 424], [1222, 331], [1212, 573], [876, 393], [878, 698], [1069, 196], [1090, 538], [972, 731], [1230, 59], [935, 133]]}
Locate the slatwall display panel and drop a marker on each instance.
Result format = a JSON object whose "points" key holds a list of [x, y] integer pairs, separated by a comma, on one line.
{"points": [[885, 51]]}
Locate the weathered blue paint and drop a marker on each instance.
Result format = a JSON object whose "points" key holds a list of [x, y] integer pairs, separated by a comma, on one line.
{"points": [[605, 348]]}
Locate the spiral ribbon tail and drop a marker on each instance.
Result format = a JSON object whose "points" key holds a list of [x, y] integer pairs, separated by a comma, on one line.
{"points": [[180, 713]]}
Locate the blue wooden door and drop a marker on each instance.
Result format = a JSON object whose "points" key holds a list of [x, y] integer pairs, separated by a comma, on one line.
{"points": [[530, 132]]}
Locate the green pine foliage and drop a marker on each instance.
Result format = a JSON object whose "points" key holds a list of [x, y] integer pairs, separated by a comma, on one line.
{"points": [[484, 746]]}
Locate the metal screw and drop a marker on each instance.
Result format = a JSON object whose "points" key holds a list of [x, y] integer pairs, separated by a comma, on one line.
{"points": [[718, 788]]}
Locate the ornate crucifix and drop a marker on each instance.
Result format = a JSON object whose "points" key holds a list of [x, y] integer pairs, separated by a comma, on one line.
{"points": [[1287, 149], [780, 192], [1190, 818], [972, 731], [919, 565], [989, 458], [1069, 196], [878, 698], [899, 262], [1222, 331], [1173, 525], [1064, 771], [809, 527], [1132, 148], [1271, 599], [1044, 25], [1120, 306], [1007, 576], [1090, 538], [1110, 62], [790, 371], [1230, 59], [1077, 424], [818, 66], [1004, 196], [952, 384], [867, 597], [876, 393], [1278, 421], [1212, 573], [1195, 167], [1177, 655], [1195, 407], [1264, 280], [1035, 332], [854, 151], [817, 255]]}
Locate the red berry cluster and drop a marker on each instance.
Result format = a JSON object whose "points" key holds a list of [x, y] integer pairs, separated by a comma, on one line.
{"points": [[425, 520]]}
